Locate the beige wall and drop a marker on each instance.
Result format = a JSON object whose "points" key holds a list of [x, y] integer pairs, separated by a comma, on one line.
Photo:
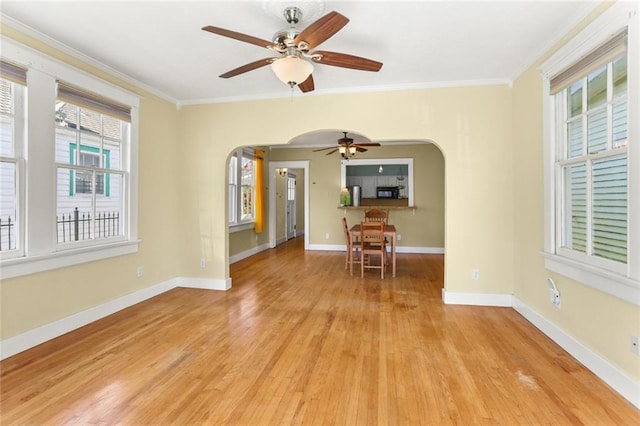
{"points": [[35, 300], [281, 207], [470, 125], [599, 321]]}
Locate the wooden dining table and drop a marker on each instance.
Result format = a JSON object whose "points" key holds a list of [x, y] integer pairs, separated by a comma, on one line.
{"points": [[390, 232]]}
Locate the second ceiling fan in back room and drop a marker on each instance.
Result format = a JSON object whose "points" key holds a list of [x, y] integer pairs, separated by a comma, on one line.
{"points": [[347, 147], [294, 65]]}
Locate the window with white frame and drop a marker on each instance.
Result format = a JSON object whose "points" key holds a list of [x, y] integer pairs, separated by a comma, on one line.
{"points": [[591, 165], [242, 182], [83, 131], [12, 117], [89, 144], [591, 153]]}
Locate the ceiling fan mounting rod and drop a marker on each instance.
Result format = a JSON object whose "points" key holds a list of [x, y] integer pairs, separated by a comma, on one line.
{"points": [[293, 15]]}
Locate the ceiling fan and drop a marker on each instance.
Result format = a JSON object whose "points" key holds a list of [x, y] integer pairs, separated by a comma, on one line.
{"points": [[347, 147], [294, 65]]}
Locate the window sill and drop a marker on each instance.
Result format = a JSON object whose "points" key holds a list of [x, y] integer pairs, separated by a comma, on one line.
{"points": [[17, 267], [616, 285], [241, 227]]}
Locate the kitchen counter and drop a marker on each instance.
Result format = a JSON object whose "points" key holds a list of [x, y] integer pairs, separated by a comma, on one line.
{"points": [[382, 203]]}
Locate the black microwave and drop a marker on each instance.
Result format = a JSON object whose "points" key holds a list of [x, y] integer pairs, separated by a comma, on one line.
{"points": [[387, 192]]}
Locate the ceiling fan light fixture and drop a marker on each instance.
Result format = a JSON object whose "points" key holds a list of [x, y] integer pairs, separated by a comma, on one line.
{"points": [[342, 150], [292, 70]]}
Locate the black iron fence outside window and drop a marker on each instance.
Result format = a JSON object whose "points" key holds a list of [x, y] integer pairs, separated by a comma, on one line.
{"points": [[75, 226], [79, 226], [7, 234]]}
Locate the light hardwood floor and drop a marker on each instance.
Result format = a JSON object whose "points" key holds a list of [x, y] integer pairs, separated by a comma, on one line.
{"points": [[299, 341]]}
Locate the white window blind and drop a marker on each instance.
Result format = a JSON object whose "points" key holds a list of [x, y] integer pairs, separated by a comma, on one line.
{"points": [[82, 98], [13, 73], [605, 53]]}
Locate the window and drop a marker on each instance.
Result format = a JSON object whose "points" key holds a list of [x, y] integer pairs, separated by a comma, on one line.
{"points": [[83, 182], [89, 200], [82, 131], [591, 157], [242, 191], [12, 114], [591, 166]]}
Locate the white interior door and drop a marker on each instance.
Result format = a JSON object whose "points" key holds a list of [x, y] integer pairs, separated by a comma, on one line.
{"points": [[291, 206]]}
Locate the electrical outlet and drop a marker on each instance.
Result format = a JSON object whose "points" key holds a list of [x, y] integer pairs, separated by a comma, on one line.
{"points": [[475, 274], [635, 344], [203, 263], [399, 237], [554, 297], [326, 236], [140, 271], [554, 293]]}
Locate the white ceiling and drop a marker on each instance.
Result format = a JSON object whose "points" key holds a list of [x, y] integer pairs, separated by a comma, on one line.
{"points": [[160, 44]]}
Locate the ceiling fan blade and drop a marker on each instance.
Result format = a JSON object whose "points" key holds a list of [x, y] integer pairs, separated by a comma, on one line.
{"points": [[361, 149], [307, 85], [367, 144], [331, 152], [322, 29], [324, 149], [248, 67], [347, 61], [238, 36]]}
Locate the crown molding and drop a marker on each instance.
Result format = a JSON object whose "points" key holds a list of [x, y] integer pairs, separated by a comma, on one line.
{"points": [[352, 90], [546, 45], [37, 35]]}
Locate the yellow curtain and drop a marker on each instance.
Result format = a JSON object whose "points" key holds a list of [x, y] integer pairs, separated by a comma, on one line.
{"points": [[259, 225]]}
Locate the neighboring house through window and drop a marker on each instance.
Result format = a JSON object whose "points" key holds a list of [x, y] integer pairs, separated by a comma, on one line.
{"points": [[83, 131], [592, 156], [12, 120]]}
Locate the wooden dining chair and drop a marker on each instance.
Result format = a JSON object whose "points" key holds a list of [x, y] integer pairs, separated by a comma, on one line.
{"points": [[372, 243], [376, 215], [353, 248]]}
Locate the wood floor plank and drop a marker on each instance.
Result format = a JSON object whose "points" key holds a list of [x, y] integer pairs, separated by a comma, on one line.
{"points": [[299, 341]]}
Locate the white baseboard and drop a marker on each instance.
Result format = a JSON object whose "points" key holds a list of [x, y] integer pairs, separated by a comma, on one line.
{"points": [[477, 299], [400, 249], [420, 250], [204, 283], [247, 253], [607, 372], [36, 336], [328, 247]]}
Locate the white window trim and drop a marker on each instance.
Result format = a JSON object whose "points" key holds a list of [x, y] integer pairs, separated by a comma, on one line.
{"points": [[42, 253], [623, 286], [383, 162], [19, 124], [239, 225]]}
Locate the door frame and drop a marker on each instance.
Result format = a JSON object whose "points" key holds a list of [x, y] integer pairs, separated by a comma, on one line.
{"points": [[290, 211], [273, 165]]}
